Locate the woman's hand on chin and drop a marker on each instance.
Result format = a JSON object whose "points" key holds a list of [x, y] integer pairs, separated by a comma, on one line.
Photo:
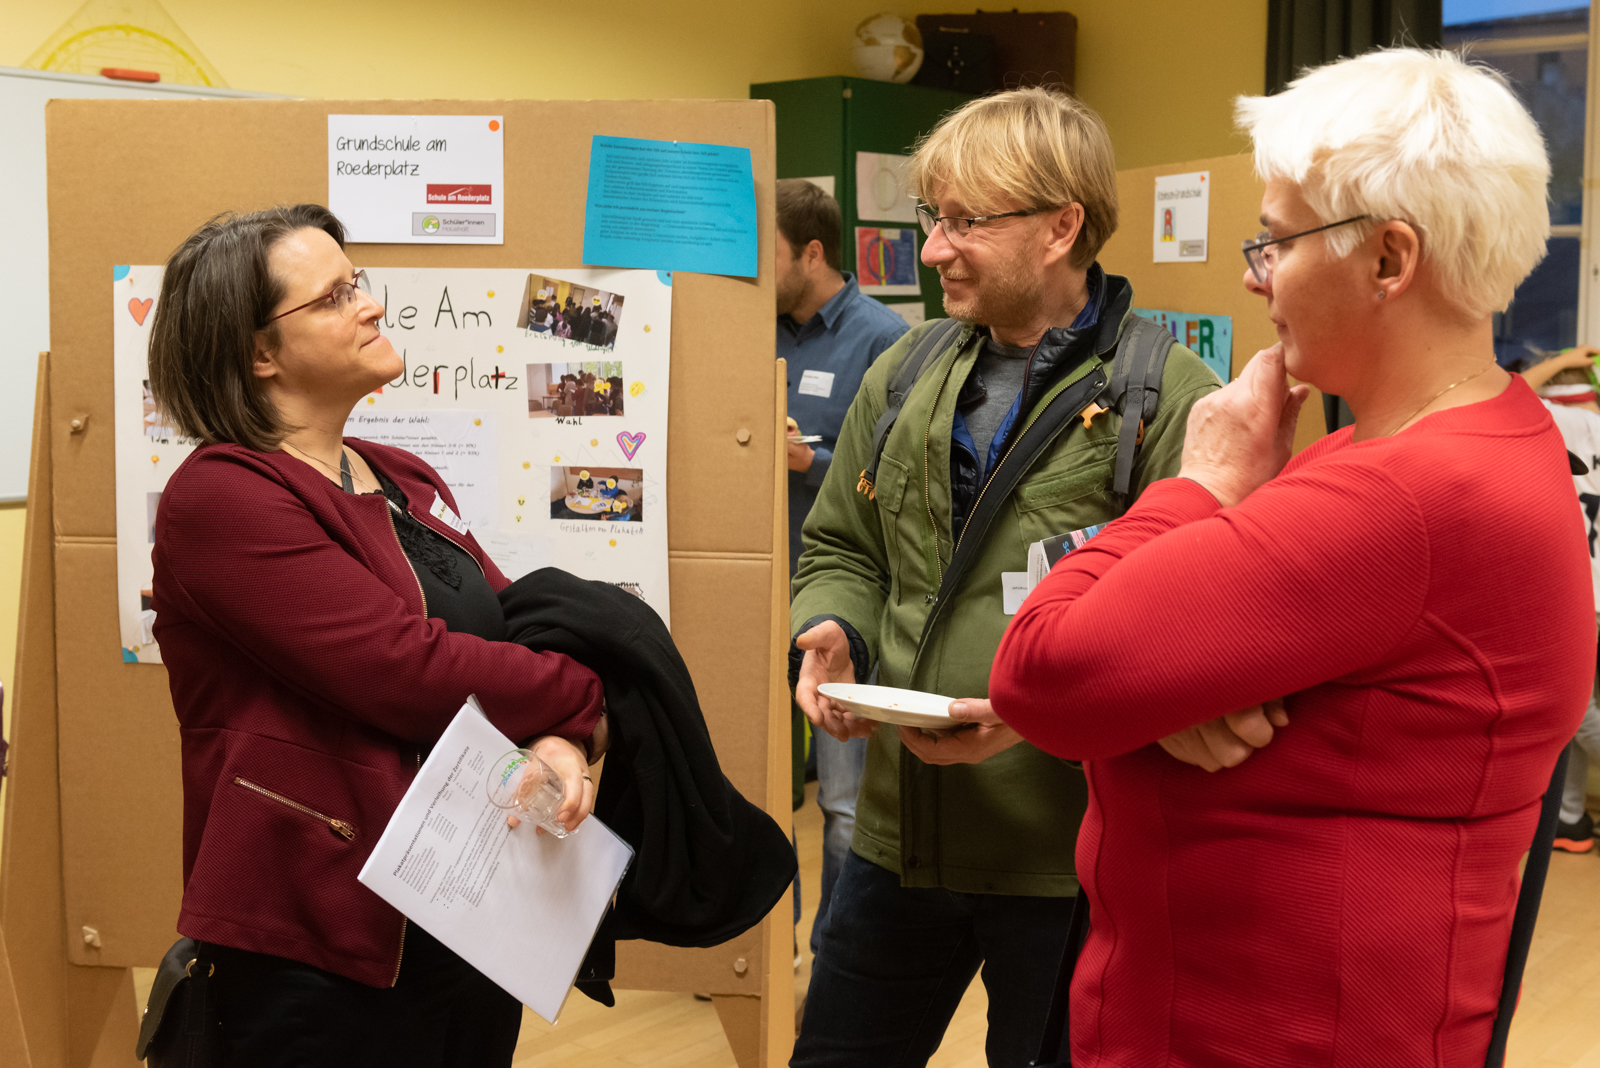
{"points": [[1241, 436]]}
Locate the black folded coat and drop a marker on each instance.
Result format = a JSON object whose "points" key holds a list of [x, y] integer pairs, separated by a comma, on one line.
{"points": [[708, 864]]}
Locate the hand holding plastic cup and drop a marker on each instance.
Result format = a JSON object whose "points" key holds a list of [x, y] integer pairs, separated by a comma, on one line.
{"points": [[529, 789]]}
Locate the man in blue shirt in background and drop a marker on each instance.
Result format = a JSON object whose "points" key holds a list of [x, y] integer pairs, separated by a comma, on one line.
{"points": [[830, 333]]}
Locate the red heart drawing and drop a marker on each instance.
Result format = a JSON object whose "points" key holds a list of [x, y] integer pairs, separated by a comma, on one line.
{"points": [[140, 308]]}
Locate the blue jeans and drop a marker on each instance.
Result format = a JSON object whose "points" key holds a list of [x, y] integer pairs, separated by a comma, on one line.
{"points": [[839, 767], [895, 962]]}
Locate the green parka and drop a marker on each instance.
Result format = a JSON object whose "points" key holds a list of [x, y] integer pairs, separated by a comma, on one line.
{"points": [[1009, 824]]}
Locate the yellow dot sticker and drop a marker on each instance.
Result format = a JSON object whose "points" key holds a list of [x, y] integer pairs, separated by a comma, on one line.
{"points": [[613, 542], [557, 459], [636, 389], [477, 422], [491, 293], [594, 441], [155, 459], [647, 328], [526, 465], [499, 348]]}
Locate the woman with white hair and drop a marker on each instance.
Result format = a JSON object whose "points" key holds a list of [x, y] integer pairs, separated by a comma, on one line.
{"points": [[1344, 619]]}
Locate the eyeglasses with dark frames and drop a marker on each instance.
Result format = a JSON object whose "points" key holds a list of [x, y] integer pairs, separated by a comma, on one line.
{"points": [[1259, 258], [342, 297], [957, 226]]}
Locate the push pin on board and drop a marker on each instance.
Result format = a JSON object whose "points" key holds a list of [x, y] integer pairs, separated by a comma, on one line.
{"points": [[1089, 413]]}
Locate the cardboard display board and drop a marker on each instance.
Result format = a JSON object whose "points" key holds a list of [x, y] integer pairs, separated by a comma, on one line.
{"points": [[116, 740], [1216, 286]]}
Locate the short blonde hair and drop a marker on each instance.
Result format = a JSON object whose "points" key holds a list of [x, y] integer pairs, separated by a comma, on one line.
{"points": [[1420, 136], [1036, 147]]}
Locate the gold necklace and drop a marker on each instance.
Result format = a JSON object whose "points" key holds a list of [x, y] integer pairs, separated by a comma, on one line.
{"points": [[1439, 394], [327, 466]]}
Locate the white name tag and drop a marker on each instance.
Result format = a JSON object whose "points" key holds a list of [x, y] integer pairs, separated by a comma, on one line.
{"points": [[1014, 588], [816, 384], [442, 511]]}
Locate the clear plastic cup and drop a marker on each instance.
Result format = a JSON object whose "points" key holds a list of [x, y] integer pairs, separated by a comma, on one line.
{"points": [[527, 788]]}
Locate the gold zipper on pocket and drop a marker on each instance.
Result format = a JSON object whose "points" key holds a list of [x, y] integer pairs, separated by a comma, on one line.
{"points": [[339, 827]]}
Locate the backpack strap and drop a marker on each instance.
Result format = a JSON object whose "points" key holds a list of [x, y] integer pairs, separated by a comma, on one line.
{"points": [[1136, 392], [912, 366]]}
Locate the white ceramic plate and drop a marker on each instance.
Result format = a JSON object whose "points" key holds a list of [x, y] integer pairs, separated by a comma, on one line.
{"points": [[887, 704]]}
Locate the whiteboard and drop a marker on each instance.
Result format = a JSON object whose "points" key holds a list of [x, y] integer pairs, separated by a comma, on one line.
{"points": [[25, 242]]}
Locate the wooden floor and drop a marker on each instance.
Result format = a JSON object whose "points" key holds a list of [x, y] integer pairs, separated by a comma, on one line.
{"points": [[1557, 1024]]}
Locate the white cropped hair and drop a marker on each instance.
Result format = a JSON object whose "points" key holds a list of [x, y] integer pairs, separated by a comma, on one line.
{"points": [[1420, 136]]}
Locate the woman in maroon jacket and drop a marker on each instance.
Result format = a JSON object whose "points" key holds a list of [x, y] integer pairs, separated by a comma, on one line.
{"points": [[320, 629], [1344, 895]]}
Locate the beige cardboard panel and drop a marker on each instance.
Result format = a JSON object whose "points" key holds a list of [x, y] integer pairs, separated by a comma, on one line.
{"points": [[721, 614], [1215, 287], [648, 966], [121, 782], [180, 164]]}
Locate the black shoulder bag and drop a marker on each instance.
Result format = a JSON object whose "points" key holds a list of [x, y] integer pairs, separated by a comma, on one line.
{"points": [[182, 1026]]}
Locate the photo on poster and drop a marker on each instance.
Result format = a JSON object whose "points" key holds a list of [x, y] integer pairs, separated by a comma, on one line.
{"points": [[886, 261], [600, 494], [881, 192], [559, 308], [575, 390], [155, 424]]}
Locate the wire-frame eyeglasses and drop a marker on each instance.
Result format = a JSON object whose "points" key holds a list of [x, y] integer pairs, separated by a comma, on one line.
{"points": [[1258, 254], [341, 297]]}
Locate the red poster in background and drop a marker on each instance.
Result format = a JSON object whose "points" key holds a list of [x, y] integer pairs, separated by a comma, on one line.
{"points": [[459, 194]]}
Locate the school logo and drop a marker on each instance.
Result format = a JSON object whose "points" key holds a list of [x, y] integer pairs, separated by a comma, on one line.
{"points": [[430, 225]]}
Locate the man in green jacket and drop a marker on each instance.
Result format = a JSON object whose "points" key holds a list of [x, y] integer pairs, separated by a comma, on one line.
{"points": [[963, 850]]}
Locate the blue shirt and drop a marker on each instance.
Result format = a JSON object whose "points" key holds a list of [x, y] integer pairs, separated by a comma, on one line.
{"points": [[828, 356]]}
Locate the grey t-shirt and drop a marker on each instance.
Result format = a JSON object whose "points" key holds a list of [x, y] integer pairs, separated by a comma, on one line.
{"points": [[1002, 368]]}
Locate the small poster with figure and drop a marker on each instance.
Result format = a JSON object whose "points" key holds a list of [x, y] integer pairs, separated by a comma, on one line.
{"points": [[1183, 217], [1209, 337], [886, 261]]}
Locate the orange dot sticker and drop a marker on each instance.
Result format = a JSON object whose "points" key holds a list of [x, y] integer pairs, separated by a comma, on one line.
{"points": [[494, 124], [155, 459]]}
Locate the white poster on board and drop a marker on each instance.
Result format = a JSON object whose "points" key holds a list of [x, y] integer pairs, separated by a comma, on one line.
{"points": [[539, 395], [1183, 217], [881, 193], [418, 179]]}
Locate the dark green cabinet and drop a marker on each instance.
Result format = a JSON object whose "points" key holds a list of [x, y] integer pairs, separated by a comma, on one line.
{"points": [[824, 122]]}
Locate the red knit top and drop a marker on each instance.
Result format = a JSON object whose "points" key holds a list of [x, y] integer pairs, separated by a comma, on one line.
{"points": [[1345, 895]]}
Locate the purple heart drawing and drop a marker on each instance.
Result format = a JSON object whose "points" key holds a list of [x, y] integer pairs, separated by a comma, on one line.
{"points": [[630, 442]]}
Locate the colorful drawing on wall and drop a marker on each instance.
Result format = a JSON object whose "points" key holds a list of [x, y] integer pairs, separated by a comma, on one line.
{"points": [[886, 261], [461, 403], [1208, 336]]}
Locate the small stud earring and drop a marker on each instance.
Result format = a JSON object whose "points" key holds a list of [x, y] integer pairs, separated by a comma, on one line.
{"points": [[1382, 293]]}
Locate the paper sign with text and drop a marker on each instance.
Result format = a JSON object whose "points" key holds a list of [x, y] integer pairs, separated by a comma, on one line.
{"points": [[418, 179], [1183, 217], [670, 206]]}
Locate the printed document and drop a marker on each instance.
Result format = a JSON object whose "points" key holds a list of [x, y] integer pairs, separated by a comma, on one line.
{"points": [[520, 907]]}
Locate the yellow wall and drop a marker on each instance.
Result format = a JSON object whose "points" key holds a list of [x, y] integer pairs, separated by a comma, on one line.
{"points": [[1162, 72]]}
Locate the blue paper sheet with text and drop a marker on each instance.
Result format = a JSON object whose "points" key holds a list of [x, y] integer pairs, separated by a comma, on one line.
{"points": [[670, 205]]}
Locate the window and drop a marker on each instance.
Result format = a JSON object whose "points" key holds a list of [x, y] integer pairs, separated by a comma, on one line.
{"points": [[1542, 47]]}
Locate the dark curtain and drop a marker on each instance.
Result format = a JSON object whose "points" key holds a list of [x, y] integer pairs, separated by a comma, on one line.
{"points": [[1309, 33]]}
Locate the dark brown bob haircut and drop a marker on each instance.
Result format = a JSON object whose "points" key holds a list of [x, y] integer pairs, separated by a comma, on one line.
{"points": [[216, 295], [807, 214]]}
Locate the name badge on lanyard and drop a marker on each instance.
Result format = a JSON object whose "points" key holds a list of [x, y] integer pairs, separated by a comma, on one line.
{"points": [[442, 512]]}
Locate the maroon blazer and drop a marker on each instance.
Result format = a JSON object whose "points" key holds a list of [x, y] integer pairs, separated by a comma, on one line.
{"points": [[308, 683]]}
